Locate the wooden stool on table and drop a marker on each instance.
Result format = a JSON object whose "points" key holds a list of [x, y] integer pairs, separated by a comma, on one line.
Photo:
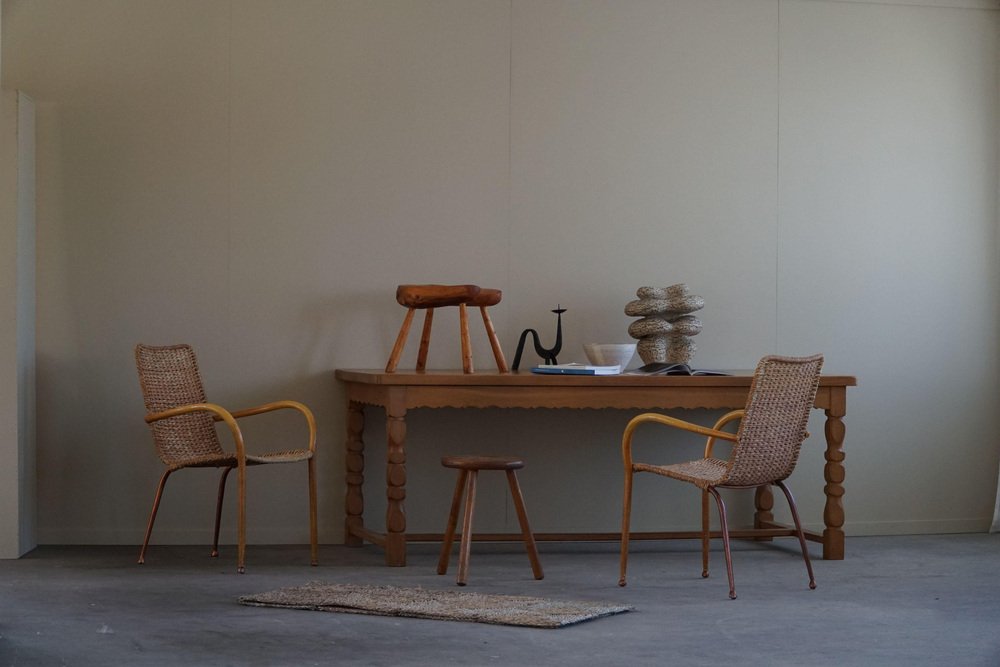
{"points": [[429, 297], [468, 470]]}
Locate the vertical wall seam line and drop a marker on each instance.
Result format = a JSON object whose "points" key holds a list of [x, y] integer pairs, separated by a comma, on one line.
{"points": [[777, 184]]}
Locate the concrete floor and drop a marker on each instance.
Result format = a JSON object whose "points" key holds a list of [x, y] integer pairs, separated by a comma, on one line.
{"points": [[922, 600]]}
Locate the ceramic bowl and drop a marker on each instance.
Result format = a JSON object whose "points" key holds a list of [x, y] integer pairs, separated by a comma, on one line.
{"points": [[609, 354]]}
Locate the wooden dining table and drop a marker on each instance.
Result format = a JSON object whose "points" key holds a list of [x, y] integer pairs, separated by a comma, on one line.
{"points": [[397, 393]]}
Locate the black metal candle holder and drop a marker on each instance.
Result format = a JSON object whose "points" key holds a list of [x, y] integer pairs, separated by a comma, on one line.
{"points": [[548, 355]]}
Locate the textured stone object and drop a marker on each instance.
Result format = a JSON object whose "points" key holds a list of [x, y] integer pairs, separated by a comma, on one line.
{"points": [[666, 325]]}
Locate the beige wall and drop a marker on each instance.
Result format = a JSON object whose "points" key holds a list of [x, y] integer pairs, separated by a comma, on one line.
{"points": [[255, 178]]}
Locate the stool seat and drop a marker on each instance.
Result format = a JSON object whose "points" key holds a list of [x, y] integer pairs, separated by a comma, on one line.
{"points": [[482, 463], [468, 471], [437, 296]]}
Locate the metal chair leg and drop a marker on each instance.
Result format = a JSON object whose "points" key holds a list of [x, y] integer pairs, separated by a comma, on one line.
{"points": [[152, 515], [725, 540], [798, 531], [218, 510], [704, 534]]}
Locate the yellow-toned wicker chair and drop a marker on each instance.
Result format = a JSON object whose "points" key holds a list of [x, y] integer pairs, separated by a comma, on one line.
{"points": [[765, 449], [183, 427]]}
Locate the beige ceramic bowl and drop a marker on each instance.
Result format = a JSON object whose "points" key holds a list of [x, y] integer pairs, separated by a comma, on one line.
{"points": [[609, 354]]}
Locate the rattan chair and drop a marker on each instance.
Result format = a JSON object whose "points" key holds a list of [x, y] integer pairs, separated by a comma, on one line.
{"points": [[765, 449], [183, 427]]}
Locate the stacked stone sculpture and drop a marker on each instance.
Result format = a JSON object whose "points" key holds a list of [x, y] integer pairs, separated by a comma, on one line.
{"points": [[666, 325]]}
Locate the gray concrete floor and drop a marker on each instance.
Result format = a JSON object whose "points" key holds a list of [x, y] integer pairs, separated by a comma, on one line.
{"points": [[921, 600]]}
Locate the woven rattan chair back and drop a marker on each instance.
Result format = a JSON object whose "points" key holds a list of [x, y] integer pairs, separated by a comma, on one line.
{"points": [[169, 378], [774, 426]]}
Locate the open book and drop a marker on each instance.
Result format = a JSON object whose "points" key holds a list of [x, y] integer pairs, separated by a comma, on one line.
{"points": [[576, 369], [663, 368]]}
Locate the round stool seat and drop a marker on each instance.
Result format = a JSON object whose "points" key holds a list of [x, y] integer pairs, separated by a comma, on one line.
{"points": [[482, 462]]}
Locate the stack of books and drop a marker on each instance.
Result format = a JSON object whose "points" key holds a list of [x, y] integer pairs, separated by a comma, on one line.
{"points": [[576, 369]]}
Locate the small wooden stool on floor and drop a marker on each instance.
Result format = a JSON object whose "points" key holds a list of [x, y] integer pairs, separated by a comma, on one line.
{"points": [[469, 467]]}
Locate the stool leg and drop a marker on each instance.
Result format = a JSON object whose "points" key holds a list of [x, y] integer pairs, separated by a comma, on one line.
{"points": [[522, 517], [494, 341], [425, 339], [449, 533], [463, 318], [466, 544], [397, 349]]}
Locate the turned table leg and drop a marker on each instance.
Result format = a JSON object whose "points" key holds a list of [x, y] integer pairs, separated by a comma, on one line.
{"points": [[355, 463], [395, 478], [834, 473], [763, 515]]}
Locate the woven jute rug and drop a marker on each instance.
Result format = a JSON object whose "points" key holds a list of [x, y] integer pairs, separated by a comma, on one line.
{"points": [[434, 604]]}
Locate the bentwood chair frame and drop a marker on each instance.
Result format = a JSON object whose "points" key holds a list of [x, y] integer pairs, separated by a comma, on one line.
{"points": [[765, 450], [183, 428]]}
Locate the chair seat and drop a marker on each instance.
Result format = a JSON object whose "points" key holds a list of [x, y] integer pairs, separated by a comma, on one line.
{"points": [[702, 472], [216, 461], [482, 462], [289, 456]]}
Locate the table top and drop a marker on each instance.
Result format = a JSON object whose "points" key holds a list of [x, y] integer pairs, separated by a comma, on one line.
{"points": [[523, 389], [525, 378]]}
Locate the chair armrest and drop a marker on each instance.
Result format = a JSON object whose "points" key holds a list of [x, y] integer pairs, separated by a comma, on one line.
{"points": [[723, 420], [282, 405], [219, 413], [666, 420]]}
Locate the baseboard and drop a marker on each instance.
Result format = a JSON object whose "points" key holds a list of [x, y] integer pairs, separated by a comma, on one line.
{"points": [[296, 535], [930, 527], [300, 535]]}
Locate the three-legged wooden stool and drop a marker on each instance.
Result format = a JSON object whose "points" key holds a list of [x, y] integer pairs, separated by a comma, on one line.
{"points": [[469, 467], [429, 297]]}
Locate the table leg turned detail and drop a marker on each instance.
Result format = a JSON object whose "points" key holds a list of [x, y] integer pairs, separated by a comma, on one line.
{"points": [[354, 503], [763, 504], [395, 477], [834, 473]]}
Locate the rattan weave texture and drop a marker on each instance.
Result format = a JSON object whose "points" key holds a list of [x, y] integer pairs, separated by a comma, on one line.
{"points": [[774, 425], [170, 378]]}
